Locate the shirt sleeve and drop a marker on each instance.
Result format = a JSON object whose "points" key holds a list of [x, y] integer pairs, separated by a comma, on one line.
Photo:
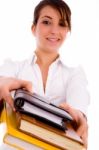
{"points": [[9, 68], [77, 94]]}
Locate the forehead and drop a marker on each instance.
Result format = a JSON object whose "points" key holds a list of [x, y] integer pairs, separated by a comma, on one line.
{"points": [[50, 11]]}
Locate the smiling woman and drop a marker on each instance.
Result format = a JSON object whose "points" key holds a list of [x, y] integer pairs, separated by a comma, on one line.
{"points": [[51, 29], [45, 73]]}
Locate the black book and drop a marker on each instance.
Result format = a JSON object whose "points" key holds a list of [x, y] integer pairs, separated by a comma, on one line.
{"points": [[36, 106]]}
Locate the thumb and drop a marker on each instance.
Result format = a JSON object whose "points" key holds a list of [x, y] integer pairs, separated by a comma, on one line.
{"points": [[70, 110]]}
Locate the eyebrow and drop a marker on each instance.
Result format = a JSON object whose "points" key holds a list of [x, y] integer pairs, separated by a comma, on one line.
{"points": [[47, 17]]}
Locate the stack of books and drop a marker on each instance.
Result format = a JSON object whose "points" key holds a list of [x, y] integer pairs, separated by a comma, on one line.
{"points": [[37, 125]]}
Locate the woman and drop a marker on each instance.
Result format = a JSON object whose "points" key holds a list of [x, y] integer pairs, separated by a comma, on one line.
{"points": [[45, 73]]}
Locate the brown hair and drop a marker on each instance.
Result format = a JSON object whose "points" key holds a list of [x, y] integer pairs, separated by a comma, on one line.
{"points": [[59, 5]]}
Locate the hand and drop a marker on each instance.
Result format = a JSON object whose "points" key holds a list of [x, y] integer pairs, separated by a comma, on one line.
{"points": [[9, 84], [80, 120]]}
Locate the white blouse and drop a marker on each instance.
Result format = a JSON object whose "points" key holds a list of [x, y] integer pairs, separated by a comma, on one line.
{"points": [[63, 84]]}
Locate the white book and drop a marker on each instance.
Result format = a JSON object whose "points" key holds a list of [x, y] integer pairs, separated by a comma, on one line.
{"points": [[16, 143]]}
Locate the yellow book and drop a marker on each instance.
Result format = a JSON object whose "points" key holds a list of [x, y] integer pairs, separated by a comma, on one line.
{"points": [[13, 136]]}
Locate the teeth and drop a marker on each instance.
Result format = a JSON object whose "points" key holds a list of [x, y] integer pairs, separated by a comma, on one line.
{"points": [[52, 39]]}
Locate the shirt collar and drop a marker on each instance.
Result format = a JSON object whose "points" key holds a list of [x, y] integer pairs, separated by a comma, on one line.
{"points": [[33, 59]]}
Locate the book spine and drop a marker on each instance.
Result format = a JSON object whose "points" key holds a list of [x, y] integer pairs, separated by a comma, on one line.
{"points": [[18, 103]]}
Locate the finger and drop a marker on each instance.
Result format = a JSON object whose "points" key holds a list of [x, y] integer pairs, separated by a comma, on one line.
{"points": [[83, 126], [70, 110], [20, 84], [84, 137], [8, 98], [80, 130], [83, 133]]}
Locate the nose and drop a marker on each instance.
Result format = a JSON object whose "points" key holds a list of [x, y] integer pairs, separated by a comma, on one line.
{"points": [[54, 29]]}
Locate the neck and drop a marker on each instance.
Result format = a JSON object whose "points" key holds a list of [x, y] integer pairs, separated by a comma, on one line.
{"points": [[45, 58]]}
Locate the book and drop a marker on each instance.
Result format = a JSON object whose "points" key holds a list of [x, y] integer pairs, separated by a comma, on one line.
{"points": [[33, 104], [13, 143], [11, 132], [20, 144], [23, 96], [68, 140]]}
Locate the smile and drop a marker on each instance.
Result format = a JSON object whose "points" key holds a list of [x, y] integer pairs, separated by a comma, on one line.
{"points": [[53, 39]]}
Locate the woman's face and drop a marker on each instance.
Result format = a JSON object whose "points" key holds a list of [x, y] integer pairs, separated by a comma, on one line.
{"points": [[49, 31]]}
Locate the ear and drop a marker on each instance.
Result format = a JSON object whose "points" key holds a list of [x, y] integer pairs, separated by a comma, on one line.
{"points": [[33, 27]]}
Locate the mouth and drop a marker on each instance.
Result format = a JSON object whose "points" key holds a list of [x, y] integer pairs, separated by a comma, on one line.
{"points": [[54, 40]]}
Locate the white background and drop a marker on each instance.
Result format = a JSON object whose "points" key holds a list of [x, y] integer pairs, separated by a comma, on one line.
{"points": [[17, 43]]}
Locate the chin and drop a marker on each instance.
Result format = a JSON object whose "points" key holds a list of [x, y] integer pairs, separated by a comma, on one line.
{"points": [[52, 50]]}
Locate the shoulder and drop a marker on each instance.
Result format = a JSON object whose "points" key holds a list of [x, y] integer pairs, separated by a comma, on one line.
{"points": [[11, 67], [74, 73]]}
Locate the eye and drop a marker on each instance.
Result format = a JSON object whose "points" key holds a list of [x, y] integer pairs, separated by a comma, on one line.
{"points": [[63, 24], [46, 22]]}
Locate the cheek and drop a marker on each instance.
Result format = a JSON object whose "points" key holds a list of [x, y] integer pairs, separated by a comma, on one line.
{"points": [[40, 35], [65, 34], [40, 31]]}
